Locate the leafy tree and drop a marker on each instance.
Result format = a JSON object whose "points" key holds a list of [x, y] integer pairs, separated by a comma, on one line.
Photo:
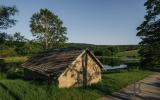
{"points": [[3, 37], [48, 28], [5, 16], [98, 52], [113, 50], [29, 48], [18, 37], [19, 42], [6, 21], [149, 32], [107, 52]]}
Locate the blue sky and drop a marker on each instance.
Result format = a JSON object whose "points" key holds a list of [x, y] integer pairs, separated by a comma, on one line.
{"points": [[104, 22]]}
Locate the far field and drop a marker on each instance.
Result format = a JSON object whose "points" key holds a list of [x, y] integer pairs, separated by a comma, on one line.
{"points": [[128, 54], [15, 59]]}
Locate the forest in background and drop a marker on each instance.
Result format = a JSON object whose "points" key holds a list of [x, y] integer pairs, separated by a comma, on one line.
{"points": [[19, 46]]}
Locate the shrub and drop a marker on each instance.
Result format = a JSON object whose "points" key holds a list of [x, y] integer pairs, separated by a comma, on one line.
{"points": [[7, 52], [14, 73]]}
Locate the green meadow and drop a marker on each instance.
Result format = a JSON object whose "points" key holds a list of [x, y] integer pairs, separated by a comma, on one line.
{"points": [[14, 87], [19, 89], [128, 54]]}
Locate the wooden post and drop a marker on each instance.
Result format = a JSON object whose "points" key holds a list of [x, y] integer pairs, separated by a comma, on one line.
{"points": [[84, 66], [136, 89]]}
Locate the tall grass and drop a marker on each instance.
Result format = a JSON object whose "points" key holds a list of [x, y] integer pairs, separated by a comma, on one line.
{"points": [[18, 89], [23, 90]]}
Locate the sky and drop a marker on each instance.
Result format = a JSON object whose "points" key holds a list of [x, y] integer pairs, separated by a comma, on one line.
{"points": [[102, 22]]}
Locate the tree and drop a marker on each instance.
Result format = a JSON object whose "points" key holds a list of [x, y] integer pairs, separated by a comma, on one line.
{"points": [[29, 48], [5, 16], [149, 32], [18, 37], [6, 21], [19, 42], [3, 37], [48, 28], [113, 50]]}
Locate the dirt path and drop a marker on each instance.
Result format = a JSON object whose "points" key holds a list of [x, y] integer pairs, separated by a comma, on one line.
{"points": [[150, 90]]}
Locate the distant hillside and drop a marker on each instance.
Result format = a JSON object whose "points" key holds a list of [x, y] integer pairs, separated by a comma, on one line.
{"points": [[126, 54], [102, 47], [31, 47]]}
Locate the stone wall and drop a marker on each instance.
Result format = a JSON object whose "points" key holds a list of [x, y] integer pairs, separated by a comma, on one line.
{"points": [[72, 76], [93, 71], [76, 74]]}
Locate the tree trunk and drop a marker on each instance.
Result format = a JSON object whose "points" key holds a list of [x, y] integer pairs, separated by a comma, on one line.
{"points": [[84, 65], [46, 43]]}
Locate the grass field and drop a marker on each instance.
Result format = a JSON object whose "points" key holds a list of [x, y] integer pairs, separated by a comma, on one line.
{"points": [[128, 54], [18, 89], [15, 59]]}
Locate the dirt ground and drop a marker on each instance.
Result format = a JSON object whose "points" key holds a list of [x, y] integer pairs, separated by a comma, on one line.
{"points": [[149, 90]]}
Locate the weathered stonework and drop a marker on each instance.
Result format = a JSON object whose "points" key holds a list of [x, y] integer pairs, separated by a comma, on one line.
{"points": [[68, 67], [74, 76]]}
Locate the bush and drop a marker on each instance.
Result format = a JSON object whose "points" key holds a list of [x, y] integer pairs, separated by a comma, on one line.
{"points": [[7, 52], [98, 53], [28, 49], [2, 64], [2, 75], [14, 73]]}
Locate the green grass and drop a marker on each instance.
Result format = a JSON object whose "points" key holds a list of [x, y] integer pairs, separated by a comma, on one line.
{"points": [[115, 81], [127, 54], [18, 89], [15, 59], [24, 90]]}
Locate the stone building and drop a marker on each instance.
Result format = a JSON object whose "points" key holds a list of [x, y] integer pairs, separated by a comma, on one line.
{"points": [[66, 67]]}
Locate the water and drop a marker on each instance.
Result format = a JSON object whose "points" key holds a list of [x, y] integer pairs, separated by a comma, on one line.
{"points": [[117, 63], [108, 67]]}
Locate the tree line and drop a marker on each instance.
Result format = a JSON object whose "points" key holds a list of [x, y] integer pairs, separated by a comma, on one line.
{"points": [[49, 32]]}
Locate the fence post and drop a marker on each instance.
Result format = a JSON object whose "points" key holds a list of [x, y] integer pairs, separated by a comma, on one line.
{"points": [[136, 90]]}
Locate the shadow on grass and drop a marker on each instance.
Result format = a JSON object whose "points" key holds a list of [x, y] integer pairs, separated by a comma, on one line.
{"points": [[16, 97], [148, 97], [155, 70], [99, 88], [12, 70]]}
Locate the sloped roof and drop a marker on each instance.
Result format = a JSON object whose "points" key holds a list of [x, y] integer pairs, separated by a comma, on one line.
{"points": [[52, 62]]}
